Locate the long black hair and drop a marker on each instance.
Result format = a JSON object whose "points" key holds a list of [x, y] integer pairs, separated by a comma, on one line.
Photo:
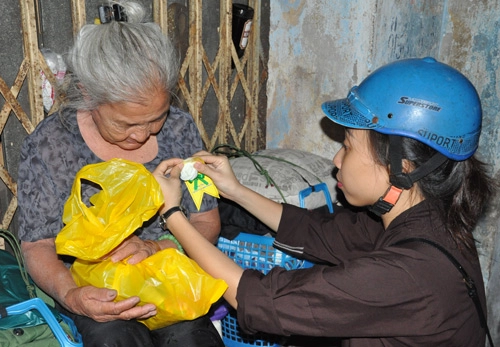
{"points": [[460, 190]]}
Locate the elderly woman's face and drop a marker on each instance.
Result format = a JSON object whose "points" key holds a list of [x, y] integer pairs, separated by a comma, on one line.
{"points": [[129, 125]]}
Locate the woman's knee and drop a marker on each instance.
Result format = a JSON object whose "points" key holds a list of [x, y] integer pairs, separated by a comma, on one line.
{"points": [[196, 333], [116, 333]]}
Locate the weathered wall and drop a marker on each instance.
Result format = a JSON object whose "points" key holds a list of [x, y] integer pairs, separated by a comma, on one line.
{"points": [[319, 49], [471, 38]]}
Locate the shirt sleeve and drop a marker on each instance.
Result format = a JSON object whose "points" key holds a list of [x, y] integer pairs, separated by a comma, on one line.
{"points": [[46, 172], [326, 238], [369, 295]]}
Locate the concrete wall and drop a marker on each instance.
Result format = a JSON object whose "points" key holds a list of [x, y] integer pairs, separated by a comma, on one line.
{"points": [[321, 48]]}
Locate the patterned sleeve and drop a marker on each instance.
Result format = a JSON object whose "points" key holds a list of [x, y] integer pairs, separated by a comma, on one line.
{"points": [[50, 158], [39, 205]]}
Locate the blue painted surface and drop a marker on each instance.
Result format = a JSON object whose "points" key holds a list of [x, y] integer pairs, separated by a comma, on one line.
{"points": [[279, 122]]}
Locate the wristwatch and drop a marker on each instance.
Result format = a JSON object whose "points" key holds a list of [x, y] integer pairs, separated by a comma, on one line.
{"points": [[170, 211]]}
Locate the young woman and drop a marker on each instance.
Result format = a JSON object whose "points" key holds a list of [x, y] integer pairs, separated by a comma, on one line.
{"points": [[381, 279]]}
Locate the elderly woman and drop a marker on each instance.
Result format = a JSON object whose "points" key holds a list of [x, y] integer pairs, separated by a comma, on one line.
{"points": [[118, 105]]}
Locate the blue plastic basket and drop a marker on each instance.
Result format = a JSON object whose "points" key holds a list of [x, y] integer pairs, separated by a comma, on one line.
{"points": [[253, 252]]}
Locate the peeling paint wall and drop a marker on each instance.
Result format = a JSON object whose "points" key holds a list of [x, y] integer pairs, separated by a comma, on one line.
{"points": [[319, 49], [315, 50]]}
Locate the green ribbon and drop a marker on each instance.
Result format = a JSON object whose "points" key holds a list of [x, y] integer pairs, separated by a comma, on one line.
{"points": [[199, 177]]}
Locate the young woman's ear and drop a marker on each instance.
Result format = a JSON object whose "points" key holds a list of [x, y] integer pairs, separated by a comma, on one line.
{"points": [[407, 166]]}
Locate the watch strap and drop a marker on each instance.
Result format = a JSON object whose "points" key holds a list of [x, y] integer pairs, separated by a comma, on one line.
{"points": [[170, 211]]}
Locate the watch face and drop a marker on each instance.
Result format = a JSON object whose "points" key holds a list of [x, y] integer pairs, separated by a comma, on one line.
{"points": [[185, 211], [162, 223]]}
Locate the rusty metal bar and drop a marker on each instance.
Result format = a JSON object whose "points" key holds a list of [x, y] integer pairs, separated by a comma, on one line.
{"points": [[160, 14], [28, 19], [196, 62], [14, 92], [78, 15], [226, 44], [252, 109], [14, 105]]}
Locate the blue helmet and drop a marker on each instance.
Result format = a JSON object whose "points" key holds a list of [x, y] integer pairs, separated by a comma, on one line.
{"points": [[418, 98]]}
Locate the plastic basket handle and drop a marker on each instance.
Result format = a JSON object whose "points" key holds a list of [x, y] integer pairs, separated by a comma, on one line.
{"points": [[40, 306], [320, 187]]}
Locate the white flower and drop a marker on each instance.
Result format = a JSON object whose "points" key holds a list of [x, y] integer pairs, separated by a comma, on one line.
{"points": [[188, 172]]}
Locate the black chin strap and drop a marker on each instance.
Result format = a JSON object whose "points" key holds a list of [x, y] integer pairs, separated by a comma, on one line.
{"points": [[403, 180], [400, 180]]}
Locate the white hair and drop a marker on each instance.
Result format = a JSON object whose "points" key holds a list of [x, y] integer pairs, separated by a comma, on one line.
{"points": [[120, 61]]}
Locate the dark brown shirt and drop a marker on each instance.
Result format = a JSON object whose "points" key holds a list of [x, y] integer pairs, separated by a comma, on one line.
{"points": [[366, 290]]}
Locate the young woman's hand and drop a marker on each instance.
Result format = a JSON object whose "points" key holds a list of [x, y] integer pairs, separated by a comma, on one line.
{"points": [[167, 174], [218, 168]]}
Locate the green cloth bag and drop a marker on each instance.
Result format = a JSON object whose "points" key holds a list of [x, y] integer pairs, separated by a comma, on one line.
{"points": [[32, 336], [13, 289], [29, 328]]}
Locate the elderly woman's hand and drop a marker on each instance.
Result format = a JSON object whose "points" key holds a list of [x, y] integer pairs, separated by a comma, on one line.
{"points": [[135, 249], [99, 304]]}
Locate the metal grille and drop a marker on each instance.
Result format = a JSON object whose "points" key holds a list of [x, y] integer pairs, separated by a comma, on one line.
{"points": [[199, 76]]}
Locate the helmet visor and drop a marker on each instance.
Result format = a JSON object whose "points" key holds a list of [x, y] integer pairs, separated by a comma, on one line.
{"points": [[350, 112]]}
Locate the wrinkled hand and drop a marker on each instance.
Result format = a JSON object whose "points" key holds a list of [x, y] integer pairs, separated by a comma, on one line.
{"points": [[167, 174], [218, 168], [98, 304], [132, 247]]}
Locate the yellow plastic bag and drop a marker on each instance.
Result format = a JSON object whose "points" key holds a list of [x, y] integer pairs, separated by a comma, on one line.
{"points": [[130, 195], [178, 287]]}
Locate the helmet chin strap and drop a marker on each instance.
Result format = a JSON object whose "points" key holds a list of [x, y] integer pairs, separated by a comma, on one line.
{"points": [[399, 180]]}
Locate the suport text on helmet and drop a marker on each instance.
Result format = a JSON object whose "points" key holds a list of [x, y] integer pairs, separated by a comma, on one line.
{"points": [[442, 141]]}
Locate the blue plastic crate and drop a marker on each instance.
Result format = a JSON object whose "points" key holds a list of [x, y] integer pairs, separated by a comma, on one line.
{"points": [[253, 252]]}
